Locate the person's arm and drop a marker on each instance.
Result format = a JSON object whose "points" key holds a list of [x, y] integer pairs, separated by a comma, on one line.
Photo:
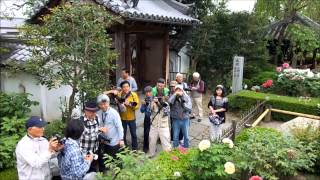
{"points": [[201, 87], [79, 166], [187, 104], [172, 98], [118, 125], [134, 85], [225, 106], [28, 154], [136, 99], [118, 83]]}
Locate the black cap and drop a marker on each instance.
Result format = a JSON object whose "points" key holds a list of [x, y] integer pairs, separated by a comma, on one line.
{"points": [[161, 80], [91, 106], [35, 121]]}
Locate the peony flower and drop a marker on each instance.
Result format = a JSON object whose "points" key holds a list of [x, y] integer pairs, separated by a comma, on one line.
{"points": [[204, 144], [279, 69], [255, 178], [227, 141], [177, 174], [175, 158], [285, 65], [229, 168], [291, 154]]}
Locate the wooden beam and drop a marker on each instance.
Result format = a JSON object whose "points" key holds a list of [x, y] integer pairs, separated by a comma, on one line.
{"points": [[165, 62], [120, 48], [296, 114], [256, 122]]}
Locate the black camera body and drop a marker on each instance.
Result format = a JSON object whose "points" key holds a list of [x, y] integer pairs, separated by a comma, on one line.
{"points": [[103, 137], [59, 138]]}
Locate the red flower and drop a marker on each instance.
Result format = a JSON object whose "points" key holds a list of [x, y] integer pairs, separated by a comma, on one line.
{"points": [[267, 84], [255, 178], [175, 158], [182, 150]]}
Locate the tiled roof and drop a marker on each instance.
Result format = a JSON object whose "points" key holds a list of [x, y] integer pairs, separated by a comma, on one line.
{"points": [[16, 52], [161, 11]]}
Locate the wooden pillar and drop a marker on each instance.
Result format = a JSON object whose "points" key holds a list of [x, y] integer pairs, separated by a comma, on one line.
{"points": [[120, 47], [165, 63], [268, 117]]}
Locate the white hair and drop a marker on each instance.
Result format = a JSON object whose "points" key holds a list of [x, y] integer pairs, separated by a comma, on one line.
{"points": [[179, 75], [196, 75]]}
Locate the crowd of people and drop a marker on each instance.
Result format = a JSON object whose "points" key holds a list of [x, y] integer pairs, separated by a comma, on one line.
{"points": [[102, 129]]}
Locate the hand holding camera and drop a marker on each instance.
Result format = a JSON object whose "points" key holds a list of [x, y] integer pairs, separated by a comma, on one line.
{"points": [[103, 129]]}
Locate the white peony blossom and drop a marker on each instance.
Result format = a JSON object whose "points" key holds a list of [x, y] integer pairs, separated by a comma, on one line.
{"points": [[177, 174], [228, 141], [204, 144], [229, 168]]}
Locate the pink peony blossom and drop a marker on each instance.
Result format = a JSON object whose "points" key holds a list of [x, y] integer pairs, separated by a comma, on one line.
{"points": [[285, 65], [255, 178], [279, 69], [175, 158]]}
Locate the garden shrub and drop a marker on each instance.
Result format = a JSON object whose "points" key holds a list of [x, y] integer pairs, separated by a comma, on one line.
{"points": [[15, 104], [133, 165], [176, 161], [244, 100], [9, 174], [260, 78], [12, 130], [309, 136], [53, 128], [245, 134], [271, 156], [209, 164], [13, 115]]}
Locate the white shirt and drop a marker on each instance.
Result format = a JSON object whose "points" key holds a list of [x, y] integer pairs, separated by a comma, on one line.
{"points": [[33, 158]]}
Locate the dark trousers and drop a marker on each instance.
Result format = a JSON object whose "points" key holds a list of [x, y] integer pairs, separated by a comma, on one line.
{"points": [[133, 131], [146, 130], [106, 149], [180, 133]]}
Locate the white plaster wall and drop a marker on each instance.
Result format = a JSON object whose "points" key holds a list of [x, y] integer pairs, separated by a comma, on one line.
{"points": [[49, 107], [185, 60]]}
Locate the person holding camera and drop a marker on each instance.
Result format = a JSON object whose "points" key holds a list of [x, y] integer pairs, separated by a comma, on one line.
{"points": [[112, 139], [179, 80], [160, 90], [89, 139], [128, 117], [181, 106], [146, 109], [73, 164], [34, 152], [159, 126], [218, 106]]}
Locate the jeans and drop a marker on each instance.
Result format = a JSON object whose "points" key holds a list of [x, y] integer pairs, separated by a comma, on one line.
{"points": [[183, 125], [171, 131], [146, 130], [133, 131]]}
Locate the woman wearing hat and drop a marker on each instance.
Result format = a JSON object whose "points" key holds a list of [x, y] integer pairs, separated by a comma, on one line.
{"points": [[218, 106]]}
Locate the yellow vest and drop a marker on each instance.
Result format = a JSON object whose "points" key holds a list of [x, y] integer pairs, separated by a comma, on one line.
{"points": [[129, 114]]}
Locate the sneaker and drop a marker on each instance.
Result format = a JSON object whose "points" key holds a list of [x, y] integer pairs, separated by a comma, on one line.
{"points": [[192, 117], [199, 120]]}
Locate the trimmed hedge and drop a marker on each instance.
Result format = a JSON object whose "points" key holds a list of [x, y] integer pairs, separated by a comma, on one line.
{"points": [[244, 100]]}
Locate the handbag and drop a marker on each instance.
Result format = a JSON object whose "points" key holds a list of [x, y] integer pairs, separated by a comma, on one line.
{"points": [[215, 119]]}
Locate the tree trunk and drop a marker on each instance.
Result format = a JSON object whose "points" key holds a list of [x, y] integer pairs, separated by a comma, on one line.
{"points": [[71, 104], [314, 58]]}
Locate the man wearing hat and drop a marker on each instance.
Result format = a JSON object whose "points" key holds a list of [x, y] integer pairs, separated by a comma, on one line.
{"points": [[146, 109], [89, 139], [34, 152], [110, 119], [160, 90], [181, 106]]}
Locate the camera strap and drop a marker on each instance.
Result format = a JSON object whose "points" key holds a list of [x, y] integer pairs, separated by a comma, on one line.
{"points": [[160, 108]]}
